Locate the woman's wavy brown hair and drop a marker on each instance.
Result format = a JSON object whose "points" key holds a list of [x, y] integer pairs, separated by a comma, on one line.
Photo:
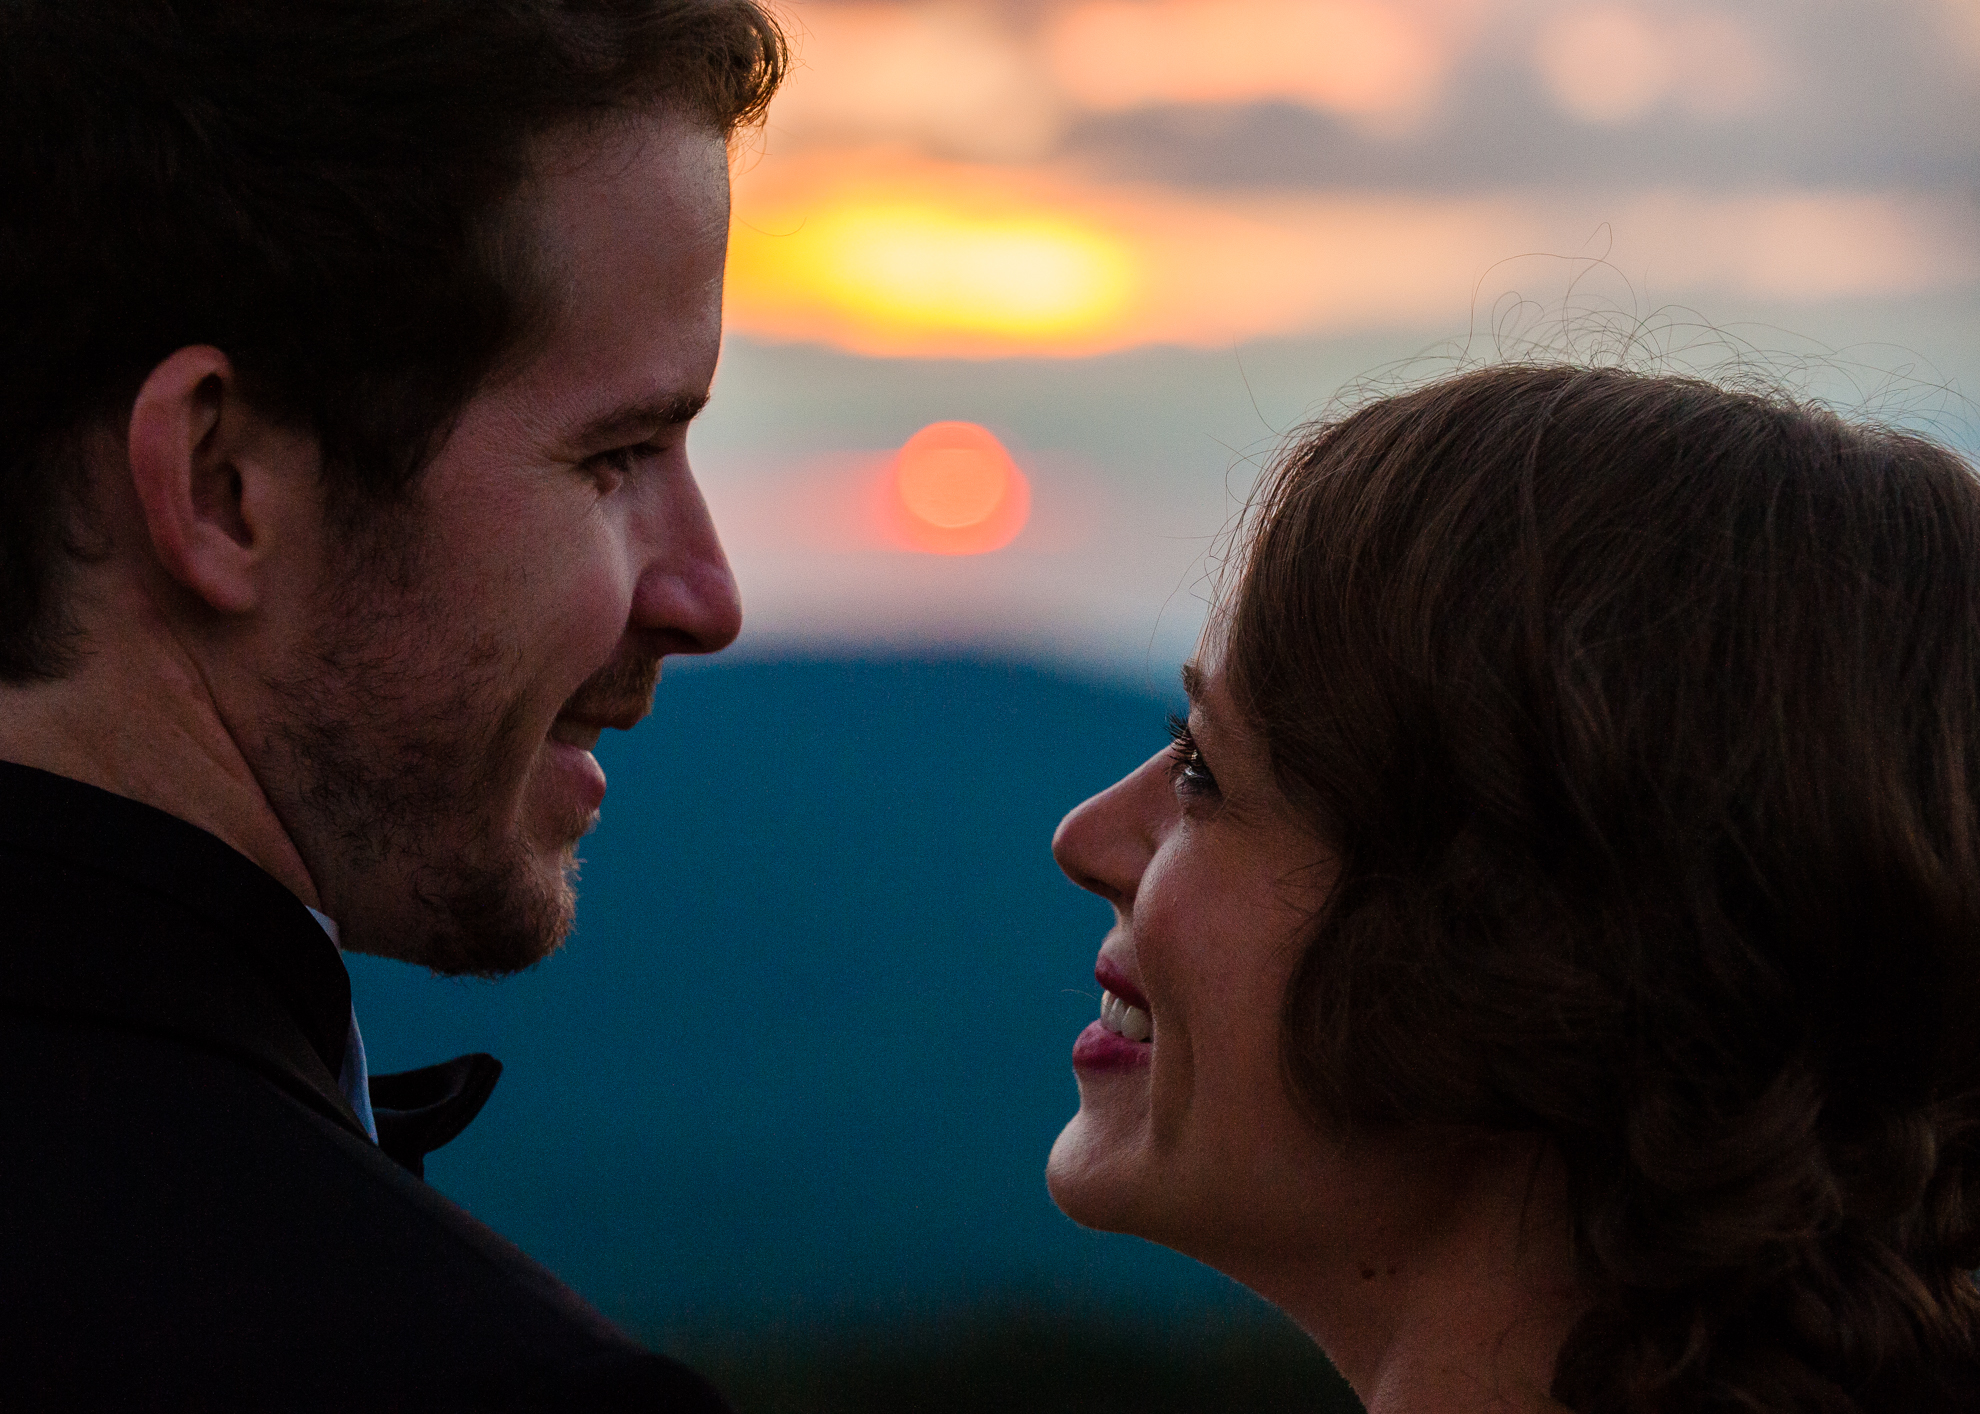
{"points": [[1645, 716]]}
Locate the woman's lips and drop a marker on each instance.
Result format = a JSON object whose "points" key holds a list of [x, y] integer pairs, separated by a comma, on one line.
{"points": [[1123, 1037], [1114, 978], [1100, 1050]]}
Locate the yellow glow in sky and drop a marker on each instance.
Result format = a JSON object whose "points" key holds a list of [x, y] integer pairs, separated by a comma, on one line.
{"points": [[882, 252], [909, 267]]}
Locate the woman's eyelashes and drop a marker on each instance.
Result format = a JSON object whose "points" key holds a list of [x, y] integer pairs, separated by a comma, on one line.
{"points": [[1187, 767]]}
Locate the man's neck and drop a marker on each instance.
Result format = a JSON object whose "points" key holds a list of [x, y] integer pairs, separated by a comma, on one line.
{"points": [[135, 717]]}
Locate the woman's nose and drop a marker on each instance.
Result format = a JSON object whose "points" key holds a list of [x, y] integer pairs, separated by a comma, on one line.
{"points": [[1107, 841]]}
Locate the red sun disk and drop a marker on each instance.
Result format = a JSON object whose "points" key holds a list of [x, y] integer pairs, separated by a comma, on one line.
{"points": [[952, 489]]}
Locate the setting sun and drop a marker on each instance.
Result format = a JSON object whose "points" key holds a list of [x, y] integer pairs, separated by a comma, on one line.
{"points": [[953, 490]]}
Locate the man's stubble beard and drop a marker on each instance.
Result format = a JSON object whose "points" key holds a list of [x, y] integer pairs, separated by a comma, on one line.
{"points": [[396, 791]]}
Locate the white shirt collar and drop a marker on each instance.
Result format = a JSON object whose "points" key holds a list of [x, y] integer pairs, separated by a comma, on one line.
{"points": [[355, 1080]]}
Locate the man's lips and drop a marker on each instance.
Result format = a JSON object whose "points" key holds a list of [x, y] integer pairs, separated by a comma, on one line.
{"points": [[614, 699], [583, 735], [570, 762], [582, 730]]}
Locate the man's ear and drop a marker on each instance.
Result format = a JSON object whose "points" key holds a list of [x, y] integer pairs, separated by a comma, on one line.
{"points": [[200, 461]]}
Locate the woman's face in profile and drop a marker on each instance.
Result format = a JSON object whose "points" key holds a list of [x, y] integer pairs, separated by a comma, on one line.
{"points": [[1191, 1137]]}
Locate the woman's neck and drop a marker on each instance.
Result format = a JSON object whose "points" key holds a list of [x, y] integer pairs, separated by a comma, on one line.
{"points": [[1457, 1297]]}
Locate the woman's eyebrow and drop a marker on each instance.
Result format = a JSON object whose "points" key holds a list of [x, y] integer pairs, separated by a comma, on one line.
{"points": [[1192, 681]]}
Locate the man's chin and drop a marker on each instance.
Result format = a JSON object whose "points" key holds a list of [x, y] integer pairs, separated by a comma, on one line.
{"points": [[489, 921]]}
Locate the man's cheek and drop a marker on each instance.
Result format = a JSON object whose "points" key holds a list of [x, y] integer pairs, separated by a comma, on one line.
{"points": [[589, 631]]}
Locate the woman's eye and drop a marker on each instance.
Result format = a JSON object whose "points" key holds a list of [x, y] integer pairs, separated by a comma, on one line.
{"points": [[1186, 766]]}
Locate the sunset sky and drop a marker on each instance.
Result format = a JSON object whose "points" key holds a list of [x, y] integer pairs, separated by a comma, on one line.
{"points": [[1139, 240]]}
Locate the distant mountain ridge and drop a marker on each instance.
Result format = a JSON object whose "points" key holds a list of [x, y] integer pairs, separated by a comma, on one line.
{"points": [[804, 1057]]}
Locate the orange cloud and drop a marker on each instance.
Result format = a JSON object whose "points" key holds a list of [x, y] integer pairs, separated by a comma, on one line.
{"points": [[998, 83], [943, 76], [1348, 56], [1617, 63], [1961, 19]]}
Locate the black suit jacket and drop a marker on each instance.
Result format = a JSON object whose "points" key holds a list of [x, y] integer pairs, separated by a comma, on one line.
{"points": [[191, 1217]]}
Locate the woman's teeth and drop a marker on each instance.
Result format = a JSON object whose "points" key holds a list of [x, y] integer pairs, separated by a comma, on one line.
{"points": [[1124, 1020]]}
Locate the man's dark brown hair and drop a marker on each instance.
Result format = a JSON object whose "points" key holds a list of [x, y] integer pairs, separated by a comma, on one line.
{"points": [[1644, 716], [322, 189]]}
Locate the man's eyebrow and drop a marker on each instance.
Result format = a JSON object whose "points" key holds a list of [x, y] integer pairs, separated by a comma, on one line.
{"points": [[641, 417]]}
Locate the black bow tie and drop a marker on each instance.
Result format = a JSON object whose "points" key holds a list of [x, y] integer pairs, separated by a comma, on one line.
{"points": [[417, 1111]]}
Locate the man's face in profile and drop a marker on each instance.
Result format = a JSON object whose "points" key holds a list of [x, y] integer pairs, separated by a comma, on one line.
{"points": [[432, 743]]}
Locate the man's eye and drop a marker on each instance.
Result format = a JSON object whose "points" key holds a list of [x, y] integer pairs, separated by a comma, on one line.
{"points": [[615, 466], [1186, 765]]}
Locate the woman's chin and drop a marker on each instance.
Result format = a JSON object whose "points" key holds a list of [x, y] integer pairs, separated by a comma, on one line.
{"points": [[1095, 1173]]}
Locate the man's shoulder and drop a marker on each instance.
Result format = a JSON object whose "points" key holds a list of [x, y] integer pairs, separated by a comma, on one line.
{"points": [[179, 1225]]}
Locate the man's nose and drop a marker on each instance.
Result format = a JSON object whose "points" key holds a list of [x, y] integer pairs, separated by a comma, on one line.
{"points": [[685, 599], [1106, 842]]}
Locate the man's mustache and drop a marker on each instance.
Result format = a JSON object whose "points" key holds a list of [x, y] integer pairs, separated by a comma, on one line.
{"points": [[621, 690]]}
